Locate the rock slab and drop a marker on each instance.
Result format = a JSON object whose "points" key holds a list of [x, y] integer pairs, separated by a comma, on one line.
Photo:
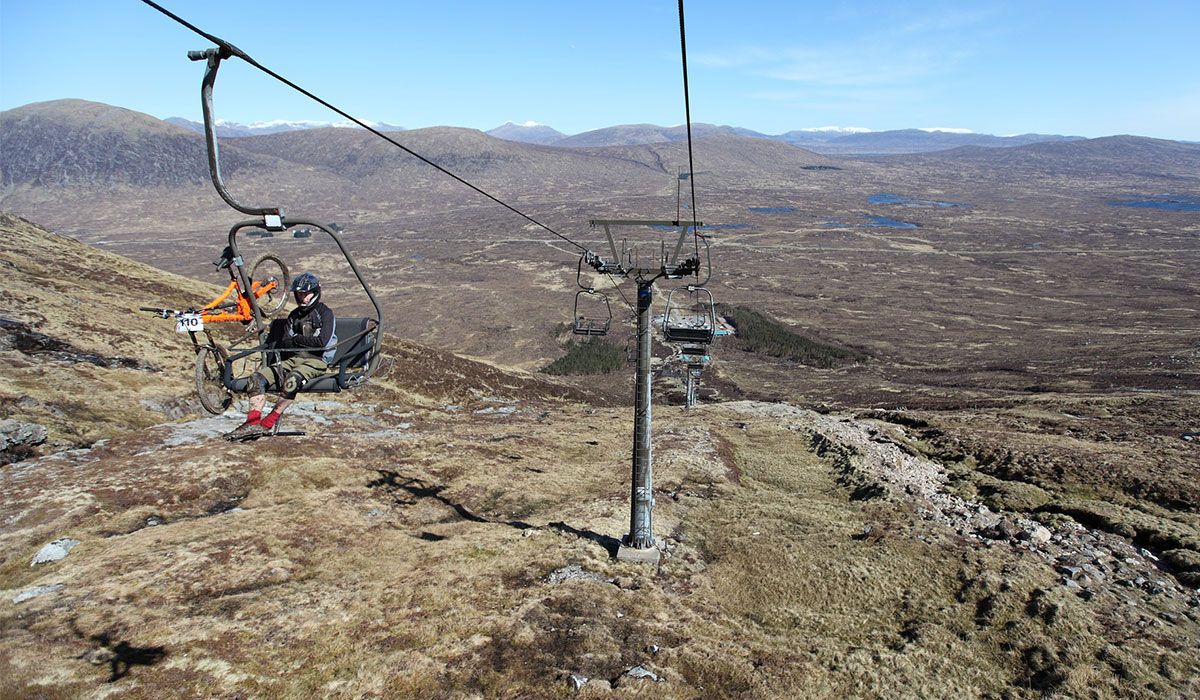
{"points": [[54, 551]]}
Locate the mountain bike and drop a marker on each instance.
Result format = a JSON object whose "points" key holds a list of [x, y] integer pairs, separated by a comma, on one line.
{"points": [[269, 282]]}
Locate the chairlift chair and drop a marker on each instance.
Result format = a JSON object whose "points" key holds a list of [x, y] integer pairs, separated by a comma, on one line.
{"points": [[691, 317], [593, 313], [358, 349], [359, 339], [590, 320]]}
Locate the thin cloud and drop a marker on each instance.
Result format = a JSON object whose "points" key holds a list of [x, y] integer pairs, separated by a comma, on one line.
{"points": [[906, 53], [858, 67], [948, 20]]}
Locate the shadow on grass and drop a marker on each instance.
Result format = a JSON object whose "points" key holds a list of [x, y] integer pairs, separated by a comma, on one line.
{"points": [[408, 490], [120, 656], [610, 544]]}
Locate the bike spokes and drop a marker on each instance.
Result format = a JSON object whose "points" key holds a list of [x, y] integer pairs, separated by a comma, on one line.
{"points": [[269, 282]]}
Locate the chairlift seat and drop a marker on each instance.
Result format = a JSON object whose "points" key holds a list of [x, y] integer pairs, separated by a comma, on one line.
{"points": [[591, 326], [687, 334], [691, 322], [350, 362]]}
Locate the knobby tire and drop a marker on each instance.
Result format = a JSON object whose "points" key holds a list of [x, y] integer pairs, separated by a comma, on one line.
{"points": [[273, 301], [210, 365]]}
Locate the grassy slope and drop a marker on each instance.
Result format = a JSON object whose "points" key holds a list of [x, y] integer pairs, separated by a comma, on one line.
{"points": [[382, 560], [88, 298], [403, 547]]}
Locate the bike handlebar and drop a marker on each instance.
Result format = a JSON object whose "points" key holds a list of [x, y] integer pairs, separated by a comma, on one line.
{"points": [[166, 313], [161, 313]]}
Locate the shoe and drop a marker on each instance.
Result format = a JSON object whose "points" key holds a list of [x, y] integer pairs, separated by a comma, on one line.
{"points": [[245, 430], [270, 423]]}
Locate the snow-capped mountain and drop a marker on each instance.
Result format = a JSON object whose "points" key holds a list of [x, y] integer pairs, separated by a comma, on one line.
{"points": [[233, 129]]}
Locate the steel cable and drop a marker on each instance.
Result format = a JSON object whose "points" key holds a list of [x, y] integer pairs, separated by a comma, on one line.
{"points": [[234, 51], [687, 109]]}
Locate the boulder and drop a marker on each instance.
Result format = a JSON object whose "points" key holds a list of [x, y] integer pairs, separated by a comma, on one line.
{"points": [[1035, 534], [36, 591], [54, 551], [15, 433]]}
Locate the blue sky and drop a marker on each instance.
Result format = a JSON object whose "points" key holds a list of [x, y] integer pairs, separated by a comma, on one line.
{"points": [[1086, 68]]}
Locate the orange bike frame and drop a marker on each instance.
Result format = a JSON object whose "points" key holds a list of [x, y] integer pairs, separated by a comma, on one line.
{"points": [[243, 314]]}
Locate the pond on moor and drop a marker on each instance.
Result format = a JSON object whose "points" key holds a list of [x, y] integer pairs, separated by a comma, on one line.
{"points": [[902, 200], [1166, 202]]}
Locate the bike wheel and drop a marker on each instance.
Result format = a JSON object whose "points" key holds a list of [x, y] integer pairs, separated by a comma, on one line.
{"points": [[210, 365], [265, 269]]}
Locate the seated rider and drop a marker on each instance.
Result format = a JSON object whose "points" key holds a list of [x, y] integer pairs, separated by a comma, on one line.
{"points": [[307, 344]]}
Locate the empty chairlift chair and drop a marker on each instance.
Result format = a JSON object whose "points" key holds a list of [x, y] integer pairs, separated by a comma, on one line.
{"points": [[593, 314], [691, 316]]}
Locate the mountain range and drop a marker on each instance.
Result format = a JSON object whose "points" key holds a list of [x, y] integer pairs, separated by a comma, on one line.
{"points": [[829, 141], [76, 142], [234, 130]]}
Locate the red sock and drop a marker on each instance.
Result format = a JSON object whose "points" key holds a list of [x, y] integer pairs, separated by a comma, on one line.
{"points": [[253, 417], [269, 421]]}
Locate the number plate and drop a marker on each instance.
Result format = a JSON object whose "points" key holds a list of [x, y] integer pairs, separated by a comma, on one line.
{"points": [[185, 323]]}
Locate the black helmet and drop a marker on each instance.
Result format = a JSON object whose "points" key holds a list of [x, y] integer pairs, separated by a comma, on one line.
{"points": [[305, 283]]}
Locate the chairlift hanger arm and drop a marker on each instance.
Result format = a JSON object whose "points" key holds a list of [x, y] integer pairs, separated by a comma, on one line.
{"points": [[272, 216], [707, 261]]}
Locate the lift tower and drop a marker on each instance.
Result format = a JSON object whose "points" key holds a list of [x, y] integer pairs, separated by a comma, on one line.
{"points": [[638, 545]]}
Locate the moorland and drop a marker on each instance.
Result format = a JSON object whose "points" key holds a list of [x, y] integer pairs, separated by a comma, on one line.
{"points": [[1022, 328]]}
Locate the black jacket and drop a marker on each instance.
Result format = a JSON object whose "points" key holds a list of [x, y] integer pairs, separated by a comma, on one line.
{"points": [[309, 332]]}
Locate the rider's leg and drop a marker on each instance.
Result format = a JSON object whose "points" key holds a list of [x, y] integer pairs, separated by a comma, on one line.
{"points": [[258, 398], [296, 371], [269, 420], [257, 404]]}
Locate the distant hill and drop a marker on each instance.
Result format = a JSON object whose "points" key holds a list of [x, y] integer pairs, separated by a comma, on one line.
{"points": [[528, 133], [908, 141], [79, 144], [76, 142], [1121, 155], [508, 165], [824, 141], [827, 141], [721, 155], [72, 143], [634, 134], [234, 130]]}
